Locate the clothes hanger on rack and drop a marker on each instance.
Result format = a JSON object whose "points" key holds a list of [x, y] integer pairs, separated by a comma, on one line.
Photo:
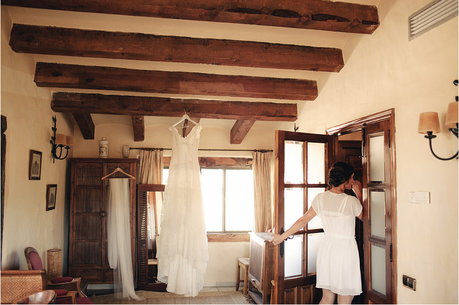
{"points": [[118, 170], [185, 117]]}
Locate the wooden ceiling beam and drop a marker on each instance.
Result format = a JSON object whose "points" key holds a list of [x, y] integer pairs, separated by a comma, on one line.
{"points": [[138, 126], [240, 130], [86, 124], [304, 14], [149, 81], [156, 106], [134, 46]]}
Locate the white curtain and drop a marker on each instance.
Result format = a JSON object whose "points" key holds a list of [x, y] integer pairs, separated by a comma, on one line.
{"points": [[119, 238], [262, 177]]}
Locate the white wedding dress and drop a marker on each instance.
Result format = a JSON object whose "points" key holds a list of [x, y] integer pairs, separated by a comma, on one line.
{"points": [[182, 246]]}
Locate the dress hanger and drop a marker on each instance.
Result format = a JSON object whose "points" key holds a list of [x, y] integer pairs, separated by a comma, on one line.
{"points": [[185, 117], [118, 169]]}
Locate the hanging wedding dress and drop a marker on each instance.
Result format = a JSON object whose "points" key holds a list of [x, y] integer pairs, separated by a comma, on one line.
{"points": [[182, 246]]}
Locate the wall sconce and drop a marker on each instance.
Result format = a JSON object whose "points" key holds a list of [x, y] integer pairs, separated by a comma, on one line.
{"points": [[60, 142], [429, 124]]}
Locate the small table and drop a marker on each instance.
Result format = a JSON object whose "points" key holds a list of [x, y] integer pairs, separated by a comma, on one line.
{"points": [[42, 297], [244, 263]]}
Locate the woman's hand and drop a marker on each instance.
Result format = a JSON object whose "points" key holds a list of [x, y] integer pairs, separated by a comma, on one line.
{"points": [[357, 189], [276, 239]]}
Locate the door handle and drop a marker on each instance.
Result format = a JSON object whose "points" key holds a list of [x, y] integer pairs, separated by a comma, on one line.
{"points": [[281, 245]]}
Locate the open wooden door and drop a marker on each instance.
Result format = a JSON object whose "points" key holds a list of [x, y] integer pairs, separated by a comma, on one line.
{"points": [[302, 161]]}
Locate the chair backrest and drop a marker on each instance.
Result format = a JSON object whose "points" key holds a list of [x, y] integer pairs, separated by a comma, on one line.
{"points": [[33, 259]]}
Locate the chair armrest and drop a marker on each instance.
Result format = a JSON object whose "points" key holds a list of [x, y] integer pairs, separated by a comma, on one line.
{"points": [[17, 284]]}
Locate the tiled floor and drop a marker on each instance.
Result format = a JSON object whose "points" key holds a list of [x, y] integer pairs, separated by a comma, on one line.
{"points": [[220, 288]]}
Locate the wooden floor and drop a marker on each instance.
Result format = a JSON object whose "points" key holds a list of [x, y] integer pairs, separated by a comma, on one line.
{"points": [[226, 295]]}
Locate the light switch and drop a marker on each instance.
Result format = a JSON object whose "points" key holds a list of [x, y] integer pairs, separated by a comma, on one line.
{"points": [[419, 197]]}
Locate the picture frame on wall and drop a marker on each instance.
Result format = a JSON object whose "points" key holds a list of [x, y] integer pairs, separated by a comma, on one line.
{"points": [[35, 165], [51, 192]]}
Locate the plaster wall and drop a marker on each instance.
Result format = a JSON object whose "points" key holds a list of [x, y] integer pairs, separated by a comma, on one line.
{"points": [[386, 70], [29, 119]]}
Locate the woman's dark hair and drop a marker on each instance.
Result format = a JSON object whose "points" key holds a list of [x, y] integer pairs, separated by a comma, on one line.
{"points": [[339, 173]]}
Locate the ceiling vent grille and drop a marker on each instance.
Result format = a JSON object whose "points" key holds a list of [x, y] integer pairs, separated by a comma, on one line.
{"points": [[432, 15]]}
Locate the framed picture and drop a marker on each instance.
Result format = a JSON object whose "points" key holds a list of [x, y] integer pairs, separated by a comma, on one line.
{"points": [[51, 191], [34, 165]]}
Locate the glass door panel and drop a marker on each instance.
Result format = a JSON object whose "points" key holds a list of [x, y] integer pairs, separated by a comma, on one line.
{"points": [[316, 163], [376, 158], [316, 222], [378, 268], [293, 256], [314, 242], [293, 173], [377, 202], [293, 200]]}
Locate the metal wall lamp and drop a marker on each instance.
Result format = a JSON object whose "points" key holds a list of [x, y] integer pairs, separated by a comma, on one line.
{"points": [[60, 143], [429, 124]]}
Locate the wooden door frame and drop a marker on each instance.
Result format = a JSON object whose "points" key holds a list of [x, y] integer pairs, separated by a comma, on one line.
{"points": [[355, 126]]}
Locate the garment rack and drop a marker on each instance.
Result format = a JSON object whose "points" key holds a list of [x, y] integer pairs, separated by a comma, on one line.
{"points": [[202, 149]]}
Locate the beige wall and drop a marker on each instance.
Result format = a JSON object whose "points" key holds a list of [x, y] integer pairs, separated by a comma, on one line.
{"points": [[384, 71], [29, 118]]}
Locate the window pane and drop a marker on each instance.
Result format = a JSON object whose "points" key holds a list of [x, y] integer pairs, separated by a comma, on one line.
{"points": [[293, 259], [377, 158], [212, 193], [378, 214], [293, 206], [239, 200], [165, 175], [314, 242], [316, 163], [293, 162], [378, 268], [316, 222]]}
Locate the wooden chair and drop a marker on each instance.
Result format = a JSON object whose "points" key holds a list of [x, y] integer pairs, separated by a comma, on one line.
{"points": [[34, 263], [18, 284]]}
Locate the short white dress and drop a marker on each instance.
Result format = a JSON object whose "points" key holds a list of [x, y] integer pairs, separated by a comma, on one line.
{"points": [[338, 264]]}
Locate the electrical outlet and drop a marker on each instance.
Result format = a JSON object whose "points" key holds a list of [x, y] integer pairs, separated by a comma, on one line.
{"points": [[409, 282]]}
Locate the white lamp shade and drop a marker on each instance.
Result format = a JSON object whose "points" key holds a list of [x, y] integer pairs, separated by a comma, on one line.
{"points": [[451, 116], [428, 121]]}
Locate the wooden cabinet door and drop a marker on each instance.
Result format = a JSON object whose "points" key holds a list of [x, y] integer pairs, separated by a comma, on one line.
{"points": [[87, 221], [88, 208]]}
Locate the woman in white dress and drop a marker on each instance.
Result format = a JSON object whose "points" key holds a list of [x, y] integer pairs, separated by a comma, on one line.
{"points": [[338, 265]]}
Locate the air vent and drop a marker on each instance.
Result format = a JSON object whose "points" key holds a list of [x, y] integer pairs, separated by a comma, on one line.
{"points": [[431, 16]]}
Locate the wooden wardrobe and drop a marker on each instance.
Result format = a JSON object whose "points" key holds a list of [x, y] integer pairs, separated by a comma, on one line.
{"points": [[88, 208]]}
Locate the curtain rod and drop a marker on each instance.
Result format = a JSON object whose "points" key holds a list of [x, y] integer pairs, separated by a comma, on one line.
{"points": [[203, 149]]}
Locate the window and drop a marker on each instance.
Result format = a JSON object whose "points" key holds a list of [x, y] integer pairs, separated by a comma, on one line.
{"points": [[228, 199]]}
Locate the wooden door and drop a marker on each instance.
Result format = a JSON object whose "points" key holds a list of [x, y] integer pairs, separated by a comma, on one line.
{"points": [[379, 203], [379, 223], [301, 163]]}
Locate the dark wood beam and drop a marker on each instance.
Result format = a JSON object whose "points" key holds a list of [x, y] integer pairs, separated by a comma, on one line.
{"points": [[138, 125], [117, 45], [304, 14], [86, 125], [240, 130], [156, 106], [108, 78]]}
